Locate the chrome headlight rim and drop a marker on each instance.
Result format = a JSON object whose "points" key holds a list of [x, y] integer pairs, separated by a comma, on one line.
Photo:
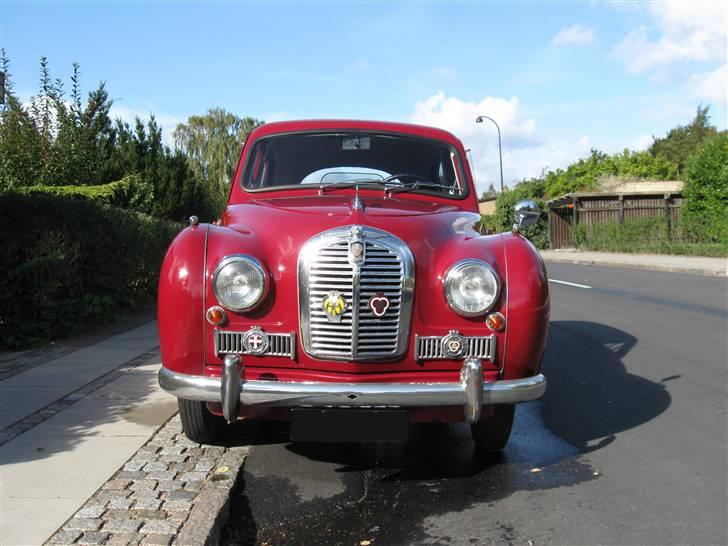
{"points": [[448, 281], [251, 260]]}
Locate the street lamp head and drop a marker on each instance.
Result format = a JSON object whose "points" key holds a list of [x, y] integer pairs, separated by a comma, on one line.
{"points": [[479, 119]]}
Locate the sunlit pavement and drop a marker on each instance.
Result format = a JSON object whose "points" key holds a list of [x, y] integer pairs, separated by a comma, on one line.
{"points": [[69, 424]]}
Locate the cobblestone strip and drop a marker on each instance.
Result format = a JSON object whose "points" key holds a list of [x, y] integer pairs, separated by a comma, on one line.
{"points": [[150, 499], [26, 423]]}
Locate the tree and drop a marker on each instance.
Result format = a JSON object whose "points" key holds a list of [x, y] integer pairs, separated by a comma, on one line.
{"points": [[682, 141], [213, 142], [489, 194], [706, 190]]}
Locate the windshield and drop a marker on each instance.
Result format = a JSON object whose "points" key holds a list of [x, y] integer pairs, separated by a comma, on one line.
{"points": [[347, 159]]}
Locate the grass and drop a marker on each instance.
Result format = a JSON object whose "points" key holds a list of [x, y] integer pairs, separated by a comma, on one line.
{"points": [[645, 236]]}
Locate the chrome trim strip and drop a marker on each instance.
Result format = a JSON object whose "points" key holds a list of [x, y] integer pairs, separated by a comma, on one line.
{"points": [[318, 394]]}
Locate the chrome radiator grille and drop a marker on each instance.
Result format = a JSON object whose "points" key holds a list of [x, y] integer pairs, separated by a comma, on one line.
{"points": [[383, 268], [430, 347], [232, 343]]}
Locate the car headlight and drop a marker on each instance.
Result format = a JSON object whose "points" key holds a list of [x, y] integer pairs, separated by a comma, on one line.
{"points": [[471, 287], [239, 282]]}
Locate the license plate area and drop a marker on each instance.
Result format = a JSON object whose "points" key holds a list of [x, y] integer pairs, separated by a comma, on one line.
{"points": [[348, 425]]}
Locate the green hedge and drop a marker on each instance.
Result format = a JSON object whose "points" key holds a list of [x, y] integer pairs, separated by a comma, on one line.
{"points": [[129, 192], [706, 191], [72, 263], [645, 235], [505, 215]]}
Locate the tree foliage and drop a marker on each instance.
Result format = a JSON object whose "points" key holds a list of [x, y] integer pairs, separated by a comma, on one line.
{"points": [[584, 174], [505, 210], [57, 140], [681, 142], [213, 142], [706, 190]]}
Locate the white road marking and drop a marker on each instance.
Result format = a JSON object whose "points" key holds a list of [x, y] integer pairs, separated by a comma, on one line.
{"points": [[569, 283]]}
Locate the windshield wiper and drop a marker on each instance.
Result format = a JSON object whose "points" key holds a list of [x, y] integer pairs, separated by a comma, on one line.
{"points": [[323, 188], [412, 186]]}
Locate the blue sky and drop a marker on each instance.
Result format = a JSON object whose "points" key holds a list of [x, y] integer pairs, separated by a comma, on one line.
{"points": [[559, 77]]}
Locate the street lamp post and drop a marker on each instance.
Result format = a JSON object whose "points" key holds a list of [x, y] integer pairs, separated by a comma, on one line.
{"points": [[480, 119]]}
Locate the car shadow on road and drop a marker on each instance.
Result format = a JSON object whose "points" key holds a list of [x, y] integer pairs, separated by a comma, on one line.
{"points": [[591, 398]]}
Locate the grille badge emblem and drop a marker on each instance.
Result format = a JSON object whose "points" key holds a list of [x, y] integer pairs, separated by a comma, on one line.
{"points": [[334, 306], [454, 345], [379, 304], [255, 341]]}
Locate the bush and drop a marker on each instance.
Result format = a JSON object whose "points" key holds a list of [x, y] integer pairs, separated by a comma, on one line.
{"points": [[129, 192], [72, 263], [706, 191], [505, 213], [646, 235]]}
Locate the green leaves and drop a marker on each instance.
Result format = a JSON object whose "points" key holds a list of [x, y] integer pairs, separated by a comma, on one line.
{"points": [[71, 263], [213, 142], [706, 190]]}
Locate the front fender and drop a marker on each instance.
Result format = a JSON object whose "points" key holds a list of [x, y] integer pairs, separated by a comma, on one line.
{"points": [[180, 301], [528, 308]]}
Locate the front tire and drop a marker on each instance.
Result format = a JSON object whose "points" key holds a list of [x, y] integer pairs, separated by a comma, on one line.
{"points": [[491, 433], [198, 424]]}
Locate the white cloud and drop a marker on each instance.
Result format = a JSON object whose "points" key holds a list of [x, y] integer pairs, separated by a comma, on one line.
{"points": [[574, 35], [681, 31], [526, 153], [711, 85]]}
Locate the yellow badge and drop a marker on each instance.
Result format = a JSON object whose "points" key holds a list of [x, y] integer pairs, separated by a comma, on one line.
{"points": [[334, 305]]}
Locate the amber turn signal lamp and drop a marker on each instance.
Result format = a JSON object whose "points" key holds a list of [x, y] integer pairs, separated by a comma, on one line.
{"points": [[216, 316], [495, 321]]}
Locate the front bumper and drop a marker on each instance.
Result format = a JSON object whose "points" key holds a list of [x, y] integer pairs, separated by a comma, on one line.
{"points": [[231, 391]]}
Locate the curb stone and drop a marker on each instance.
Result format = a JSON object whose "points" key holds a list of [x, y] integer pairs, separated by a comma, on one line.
{"points": [[212, 507], [575, 258], [172, 491]]}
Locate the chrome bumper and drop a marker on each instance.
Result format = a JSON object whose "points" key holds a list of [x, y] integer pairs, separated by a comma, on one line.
{"points": [[471, 392]]}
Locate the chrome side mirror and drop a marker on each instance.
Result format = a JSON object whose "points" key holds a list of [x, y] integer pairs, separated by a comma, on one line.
{"points": [[527, 213]]}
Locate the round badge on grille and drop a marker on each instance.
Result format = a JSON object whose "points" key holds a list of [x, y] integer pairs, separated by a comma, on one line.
{"points": [[255, 341], [379, 303], [454, 345]]}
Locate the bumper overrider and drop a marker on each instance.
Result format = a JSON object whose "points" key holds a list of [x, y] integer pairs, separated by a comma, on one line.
{"points": [[231, 391]]}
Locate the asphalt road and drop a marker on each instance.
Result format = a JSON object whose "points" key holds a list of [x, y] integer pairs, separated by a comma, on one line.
{"points": [[627, 447]]}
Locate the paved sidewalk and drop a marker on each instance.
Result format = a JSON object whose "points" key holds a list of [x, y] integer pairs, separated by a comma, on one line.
{"points": [[67, 425], [657, 262]]}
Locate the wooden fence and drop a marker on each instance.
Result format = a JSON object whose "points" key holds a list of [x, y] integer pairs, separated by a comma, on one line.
{"points": [[598, 208]]}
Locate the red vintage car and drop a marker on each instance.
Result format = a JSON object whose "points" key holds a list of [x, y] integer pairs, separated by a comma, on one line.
{"points": [[347, 288]]}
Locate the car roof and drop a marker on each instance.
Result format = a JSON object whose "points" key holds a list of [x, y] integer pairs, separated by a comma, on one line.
{"points": [[303, 125]]}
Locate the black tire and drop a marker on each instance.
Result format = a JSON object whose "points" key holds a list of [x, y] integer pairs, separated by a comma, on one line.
{"points": [[491, 433], [198, 423]]}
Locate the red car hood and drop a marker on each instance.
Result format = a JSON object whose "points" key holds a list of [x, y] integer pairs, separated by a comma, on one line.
{"points": [[300, 218]]}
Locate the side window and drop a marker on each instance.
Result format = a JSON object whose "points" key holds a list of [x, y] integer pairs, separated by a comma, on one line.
{"points": [[260, 168]]}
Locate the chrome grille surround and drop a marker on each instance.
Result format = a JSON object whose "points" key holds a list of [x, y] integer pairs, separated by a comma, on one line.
{"points": [[430, 347], [387, 266], [227, 343]]}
